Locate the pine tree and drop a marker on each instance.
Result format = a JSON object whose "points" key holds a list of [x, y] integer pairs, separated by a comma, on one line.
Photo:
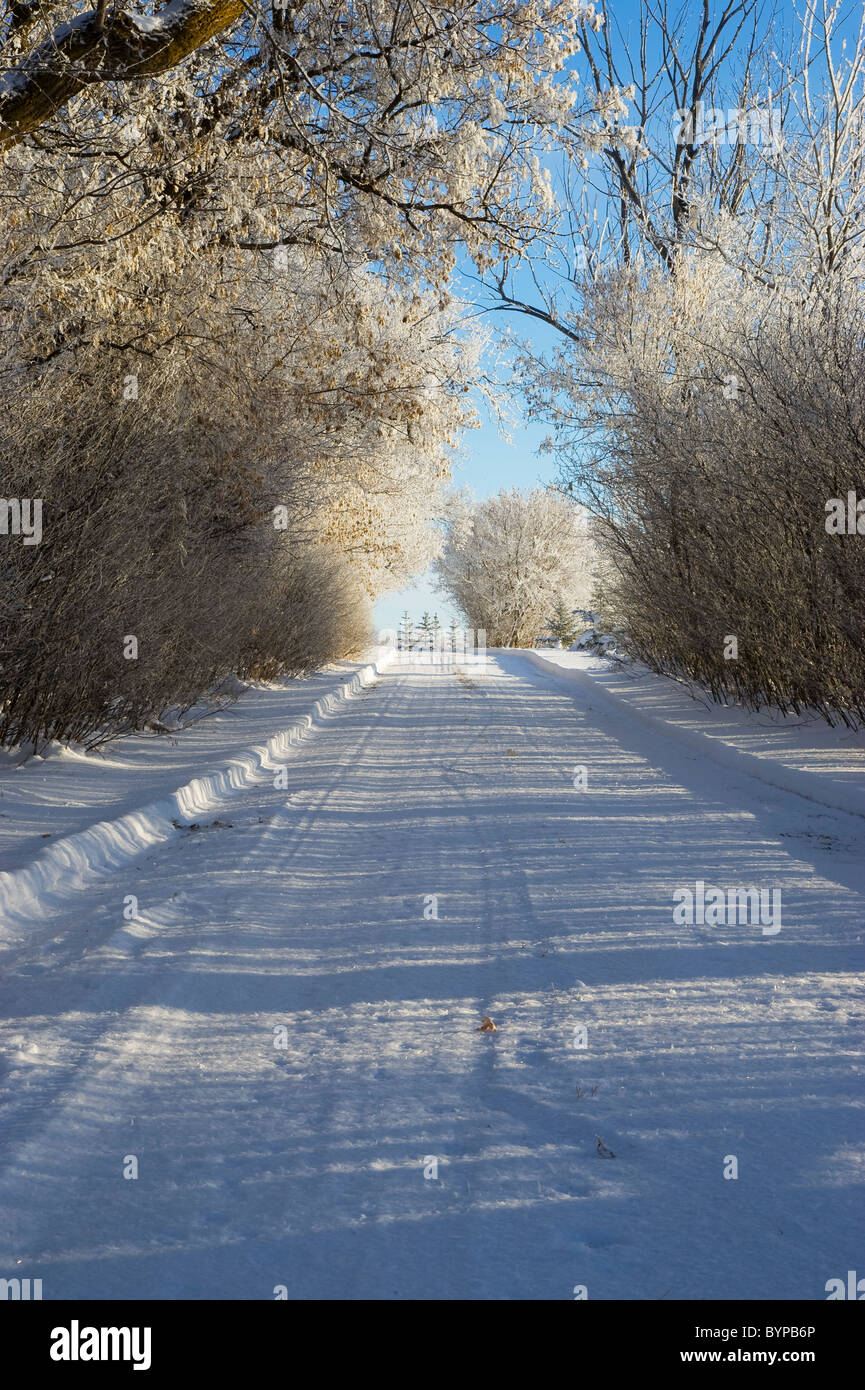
{"points": [[405, 631], [563, 625]]}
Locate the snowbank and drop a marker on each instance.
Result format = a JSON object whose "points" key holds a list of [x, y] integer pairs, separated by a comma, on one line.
{"points": [[796, 754], [37, 888]]}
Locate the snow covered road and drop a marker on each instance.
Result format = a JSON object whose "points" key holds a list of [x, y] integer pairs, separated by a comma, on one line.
{"points": [[284, 1037]]}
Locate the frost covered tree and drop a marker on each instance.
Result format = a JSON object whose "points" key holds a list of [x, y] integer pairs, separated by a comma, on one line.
{"points": [[368, 128], [706, 397], [405, 631], [506, 560], [232, 366], [203, 442]]}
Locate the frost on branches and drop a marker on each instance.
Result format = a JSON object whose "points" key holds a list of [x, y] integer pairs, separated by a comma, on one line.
{"points": [[232, 361], [707, 394], [231, 465], [510, 558], [371, 128]]}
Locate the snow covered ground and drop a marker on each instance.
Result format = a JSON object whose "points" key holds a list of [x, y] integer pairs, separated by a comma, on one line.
{"points": [[283, 1030], [800, 753], [104, 807]]}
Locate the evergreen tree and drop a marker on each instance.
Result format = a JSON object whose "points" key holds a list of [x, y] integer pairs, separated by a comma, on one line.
{"points": [[563, 624], [405, 631]]}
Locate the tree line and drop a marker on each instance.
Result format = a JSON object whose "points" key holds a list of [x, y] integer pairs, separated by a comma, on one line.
{"points": [[232, 364], [707, 395]]}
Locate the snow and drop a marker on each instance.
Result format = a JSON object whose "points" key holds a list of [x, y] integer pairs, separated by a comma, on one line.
{"points": [[799, 753], [162, 22], [303, 909], [31, 798], [146, 24]]}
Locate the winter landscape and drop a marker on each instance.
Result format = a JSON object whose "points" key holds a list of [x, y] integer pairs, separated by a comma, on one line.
{"points": [[432, 653]]}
